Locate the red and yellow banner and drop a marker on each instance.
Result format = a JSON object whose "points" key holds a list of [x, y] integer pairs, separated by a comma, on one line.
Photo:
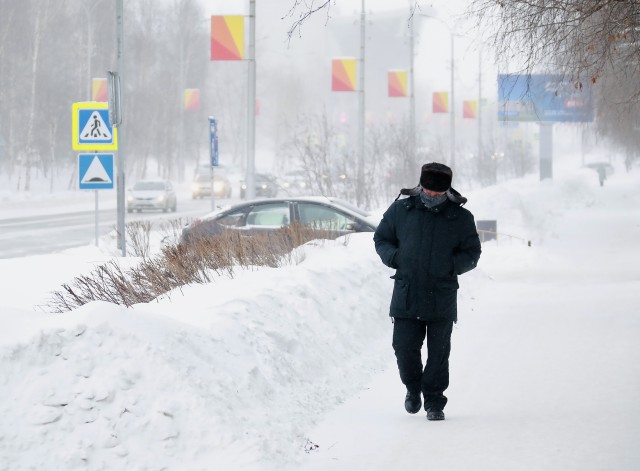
{"points": [[227, 38], [470, 109], [440, 102], [191, 98], [343, 75], [397, 83], [99, 90]]}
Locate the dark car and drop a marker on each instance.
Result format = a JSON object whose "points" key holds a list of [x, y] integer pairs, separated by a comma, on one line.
{"points": [[265, 186], [201, 186], [294, 183], [264, 215]]}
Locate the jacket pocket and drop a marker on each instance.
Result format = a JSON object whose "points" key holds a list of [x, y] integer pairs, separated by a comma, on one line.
{"points": [[400, 296], [447, 299]]}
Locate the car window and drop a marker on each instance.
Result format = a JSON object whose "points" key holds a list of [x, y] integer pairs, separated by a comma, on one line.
{"points": [[234, 219], [269, 215], [323, 217], [145, 186]]}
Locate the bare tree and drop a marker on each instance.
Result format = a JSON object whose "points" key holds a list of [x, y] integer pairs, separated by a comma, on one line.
{"points": [[583, 38], [301, 10], [594, 43]]}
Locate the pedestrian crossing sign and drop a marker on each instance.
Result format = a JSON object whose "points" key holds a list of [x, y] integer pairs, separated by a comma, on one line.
{"points": [[90, 127], [95, 171]]}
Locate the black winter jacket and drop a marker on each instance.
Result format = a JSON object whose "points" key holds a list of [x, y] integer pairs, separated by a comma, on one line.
{"points": [[429, 248]]}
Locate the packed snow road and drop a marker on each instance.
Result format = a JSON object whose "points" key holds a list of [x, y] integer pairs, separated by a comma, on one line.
{"points": [[55, 230]]}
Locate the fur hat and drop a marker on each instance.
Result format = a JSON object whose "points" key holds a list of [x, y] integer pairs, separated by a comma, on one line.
{"points": [[436, 177]]}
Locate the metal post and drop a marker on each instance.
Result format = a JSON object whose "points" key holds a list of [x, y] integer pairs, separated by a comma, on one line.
{"points": [[360, 159], [251, 104], [122, 240], [89, 41], [480, 154], [546, 150], [213, 202], [412, 98], [97, 219], [452, 130]]}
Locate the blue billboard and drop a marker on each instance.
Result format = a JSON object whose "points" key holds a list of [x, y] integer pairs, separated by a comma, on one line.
{"points": [[543, 98]]}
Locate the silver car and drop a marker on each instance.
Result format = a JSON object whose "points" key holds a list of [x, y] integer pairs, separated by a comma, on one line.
{"points": [[271, 214], [152, 194]]}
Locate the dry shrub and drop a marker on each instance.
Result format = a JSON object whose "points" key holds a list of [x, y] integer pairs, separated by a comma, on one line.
{"points": [[199, 261], [138, 237]]}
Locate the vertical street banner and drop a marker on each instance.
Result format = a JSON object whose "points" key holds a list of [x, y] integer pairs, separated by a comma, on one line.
{"points": [[470, 109], [440, 102], [343, 74], [191, 98], [227, 38], [397, 81], [99, 90], [213, 141]]}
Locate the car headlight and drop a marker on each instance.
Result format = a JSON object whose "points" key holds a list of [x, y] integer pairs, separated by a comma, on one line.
{"points": [[263, 186], [195, 187], [243, 186], [130, 198], [218, 186], [303, 185], [161, 198]]}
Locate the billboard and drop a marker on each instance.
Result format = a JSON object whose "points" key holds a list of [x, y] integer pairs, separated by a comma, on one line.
{"points": [[542, 98]]}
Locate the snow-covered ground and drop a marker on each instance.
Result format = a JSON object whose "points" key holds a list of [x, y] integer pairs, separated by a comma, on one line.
{"points": [[292, 368]]}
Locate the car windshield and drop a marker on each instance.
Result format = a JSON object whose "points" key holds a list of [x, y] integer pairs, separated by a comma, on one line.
{"points": [[144, 186]]}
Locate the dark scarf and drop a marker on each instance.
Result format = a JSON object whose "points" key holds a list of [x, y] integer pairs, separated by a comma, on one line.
{"points": [[432, 201]]}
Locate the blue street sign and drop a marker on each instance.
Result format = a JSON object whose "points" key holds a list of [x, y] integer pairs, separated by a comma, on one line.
{"points": [[213, 144], [90, 127], [95, 171]]}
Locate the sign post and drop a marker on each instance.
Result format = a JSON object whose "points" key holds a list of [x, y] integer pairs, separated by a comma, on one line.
{"points": [[213, 154], [95, 172]]}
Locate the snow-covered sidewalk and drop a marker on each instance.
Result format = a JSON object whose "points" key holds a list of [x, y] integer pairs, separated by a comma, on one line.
{"points": [[545, 367]]}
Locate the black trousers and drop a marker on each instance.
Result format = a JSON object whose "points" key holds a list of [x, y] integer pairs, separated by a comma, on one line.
{"points": [[433, 380]]}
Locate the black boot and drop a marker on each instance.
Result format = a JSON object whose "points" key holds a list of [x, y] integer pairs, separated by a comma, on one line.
{"points": [[412, 402], [434, 413]]}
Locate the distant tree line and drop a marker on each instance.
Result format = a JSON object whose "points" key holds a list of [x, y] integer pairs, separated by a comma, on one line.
{"points": [[51, 49]]}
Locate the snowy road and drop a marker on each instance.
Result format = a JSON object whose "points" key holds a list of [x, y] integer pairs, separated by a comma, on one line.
{"points": [[53, 231]]}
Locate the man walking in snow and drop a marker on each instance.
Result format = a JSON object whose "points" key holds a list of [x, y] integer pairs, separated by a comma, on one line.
{"points": [[430, 239]]}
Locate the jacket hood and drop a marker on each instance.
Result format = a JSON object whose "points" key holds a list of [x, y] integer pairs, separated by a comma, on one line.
{"points": [[452, 195]]}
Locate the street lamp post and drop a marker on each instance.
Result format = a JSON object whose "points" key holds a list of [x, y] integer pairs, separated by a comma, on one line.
{"points": [[251, 104], [412, 106], [88, 10], [361, 116]]}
